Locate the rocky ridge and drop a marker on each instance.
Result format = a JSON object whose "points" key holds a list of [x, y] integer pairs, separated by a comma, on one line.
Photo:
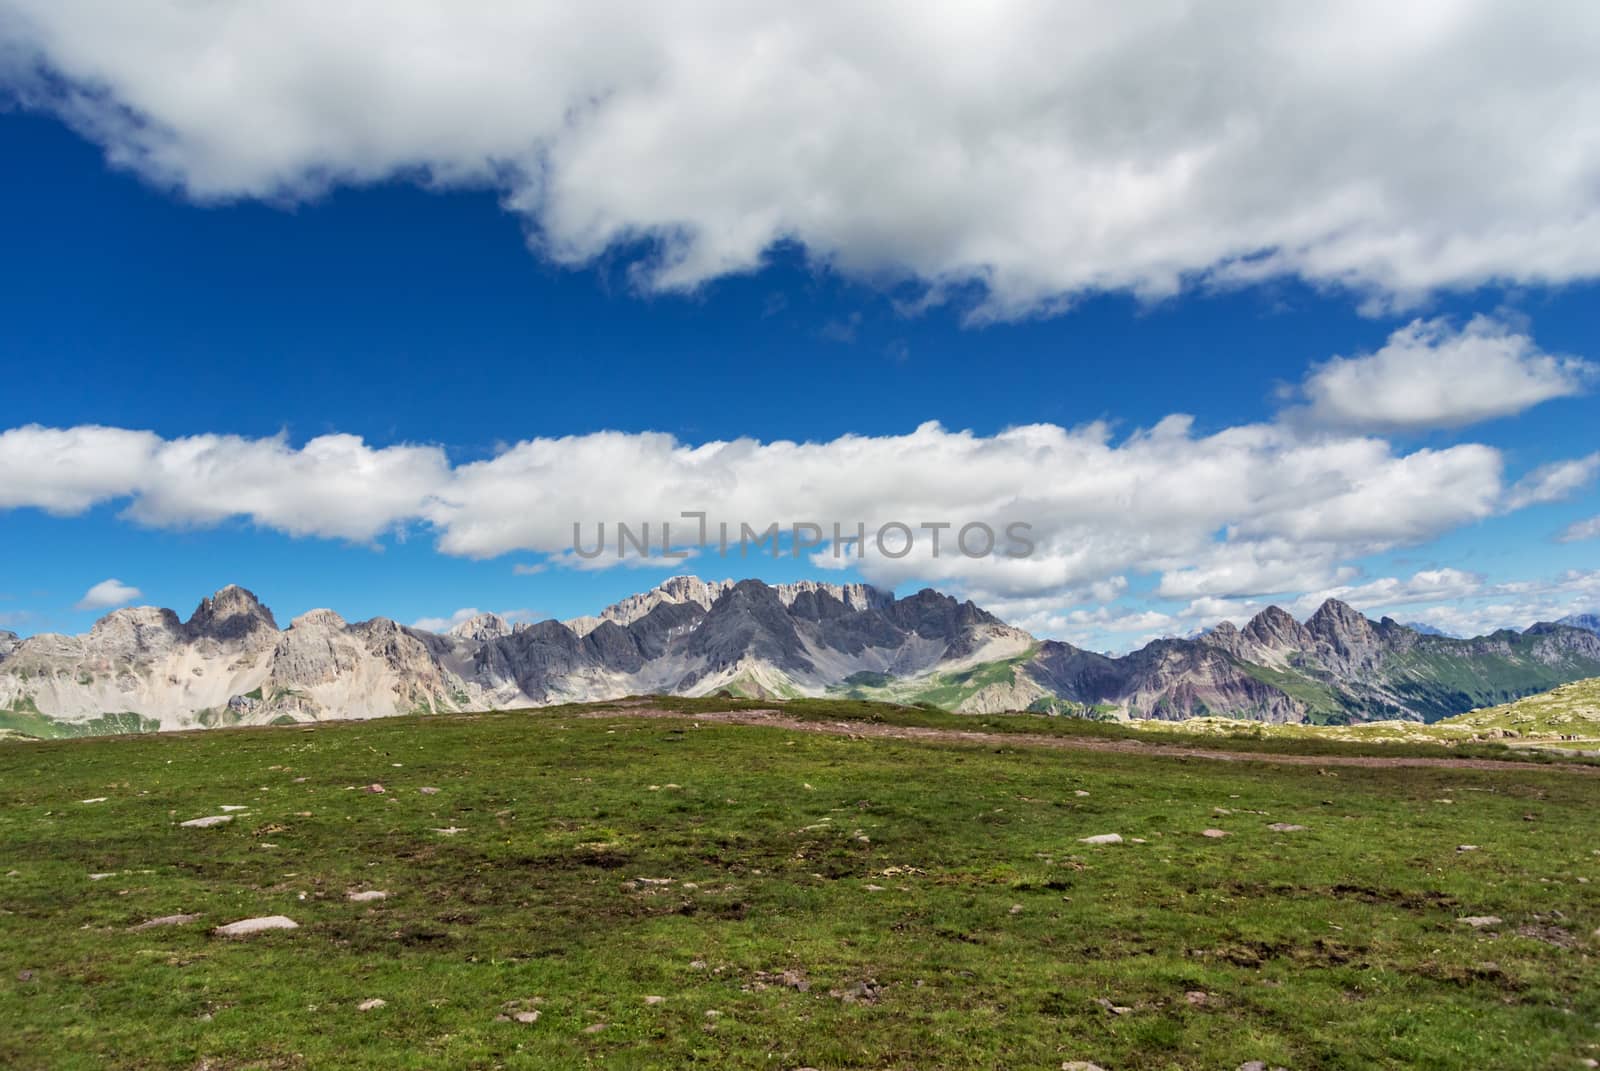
{"points": [[230, 663]]}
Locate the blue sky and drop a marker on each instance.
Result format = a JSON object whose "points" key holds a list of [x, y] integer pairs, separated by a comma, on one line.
{"points": [[192, 297]]}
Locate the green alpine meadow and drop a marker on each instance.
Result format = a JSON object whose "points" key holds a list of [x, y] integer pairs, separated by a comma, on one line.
{"points": [[666, 883]]}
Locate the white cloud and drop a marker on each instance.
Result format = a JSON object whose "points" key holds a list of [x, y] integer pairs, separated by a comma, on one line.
{"points": [[1578, 531], [1553, 482], [1430, 375], [1245, 510], [108, 593], [1038, 149], [335, 486]]}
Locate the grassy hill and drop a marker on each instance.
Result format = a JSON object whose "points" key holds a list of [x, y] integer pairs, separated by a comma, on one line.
{"points": [[1569, 711], [793, 899]]}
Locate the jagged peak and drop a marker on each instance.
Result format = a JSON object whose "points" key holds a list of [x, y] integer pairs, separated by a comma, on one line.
{"points": [[1274, 616], [485, 626], [230, 613], [1338, 614]]}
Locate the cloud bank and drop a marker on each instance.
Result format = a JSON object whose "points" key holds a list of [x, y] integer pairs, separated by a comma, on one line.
{"points": [[1028, 150], [1240, 512]]}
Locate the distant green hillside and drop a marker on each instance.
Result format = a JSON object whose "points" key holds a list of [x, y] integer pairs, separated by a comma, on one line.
{"points": [[1570, 710]]}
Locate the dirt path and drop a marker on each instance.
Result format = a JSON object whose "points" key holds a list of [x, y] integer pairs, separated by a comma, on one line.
{"points": [[774, 719]]}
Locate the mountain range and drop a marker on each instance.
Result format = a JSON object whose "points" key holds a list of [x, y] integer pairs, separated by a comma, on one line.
{"points": [[229, 663]]}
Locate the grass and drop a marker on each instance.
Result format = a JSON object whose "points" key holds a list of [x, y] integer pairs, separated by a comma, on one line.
{"points": [[1572, 711], [991, 937], [946, 690]]}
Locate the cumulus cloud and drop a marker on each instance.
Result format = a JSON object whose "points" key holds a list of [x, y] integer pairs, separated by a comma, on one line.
{"points": [[1031, 150], [108, 593], [1432, 375], [1245, 510], [335, 486]]}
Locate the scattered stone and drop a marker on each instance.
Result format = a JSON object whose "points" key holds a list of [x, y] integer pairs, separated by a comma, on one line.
{"points": [[713, 1014], [371, 1005], [867, 991], [1214, 834], [164, 920], [367, 896], [1103, 838], [594, 1028], [233, 807], [96, 799], [1196, 998], [1466, 847], [450, 831], [874, 888], [526, 1016], [1257, 1065], [697, 964], [1081, 1065], [375, 788], [652, 1000], [207, 822], [1478, 922], [102, 877], [1286, 827], [428, 790], [247, 927], [1114, 1009], [1016, 909], [1222, 810], [1079, 792], [25, 976], [1550, 935]]}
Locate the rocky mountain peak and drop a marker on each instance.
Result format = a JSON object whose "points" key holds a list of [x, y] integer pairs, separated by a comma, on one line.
{"points": [[1274, 628], [480, 628], [8, 642], [1339, 621], [234, 613], [318, 619]]}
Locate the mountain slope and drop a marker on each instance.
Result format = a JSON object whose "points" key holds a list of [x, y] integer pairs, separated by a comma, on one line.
{"points": [[230, 663]]}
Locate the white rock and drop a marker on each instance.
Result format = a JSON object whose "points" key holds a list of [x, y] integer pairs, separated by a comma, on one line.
{"points": [[1103, 838], [366, 896], [207, 822], [233, 807], [1285, 827], [96, 799], [1478, 922], [166, 920], [246, 927], [1214, 834], [371, 1005]]}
